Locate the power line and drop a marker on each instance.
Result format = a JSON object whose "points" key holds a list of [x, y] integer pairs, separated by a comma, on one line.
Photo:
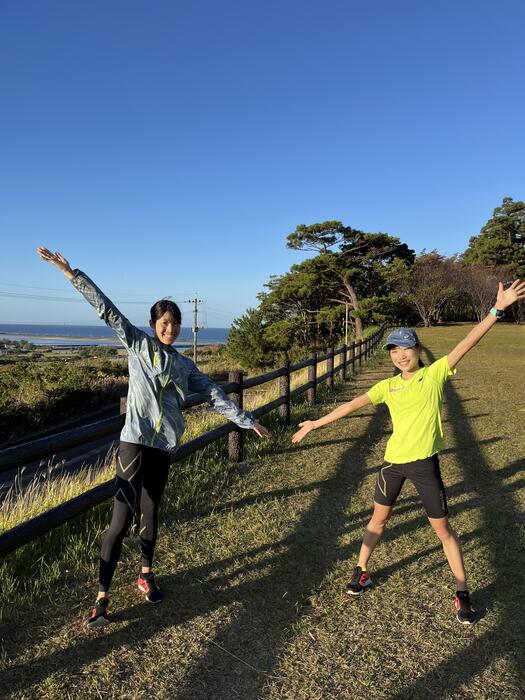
{"points": [[125, 294], [43, 297], [217, 312]]}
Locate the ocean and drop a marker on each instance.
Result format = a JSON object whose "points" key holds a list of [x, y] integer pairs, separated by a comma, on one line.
{"points": [[64, 334]]}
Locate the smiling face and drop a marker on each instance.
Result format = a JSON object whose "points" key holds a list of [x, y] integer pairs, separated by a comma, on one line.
{"points": [[406, 359], [166, 328]]}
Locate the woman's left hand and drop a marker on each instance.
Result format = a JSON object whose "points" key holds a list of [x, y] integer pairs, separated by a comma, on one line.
{"points": [[56, 259], [261, 430], [508, 296]]}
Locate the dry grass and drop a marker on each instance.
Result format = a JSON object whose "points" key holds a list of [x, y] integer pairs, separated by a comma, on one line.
{"points": [[50, 487], [202, 419], [256, 605]]}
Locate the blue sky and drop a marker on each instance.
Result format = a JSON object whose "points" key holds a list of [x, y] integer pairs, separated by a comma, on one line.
{"points": [[168, 148]]}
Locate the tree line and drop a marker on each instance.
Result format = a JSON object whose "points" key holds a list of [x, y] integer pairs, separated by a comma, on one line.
{"points": [[357, 279]]}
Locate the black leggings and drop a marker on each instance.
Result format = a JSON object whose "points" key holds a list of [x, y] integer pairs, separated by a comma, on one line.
{"points": [[141, 478]]}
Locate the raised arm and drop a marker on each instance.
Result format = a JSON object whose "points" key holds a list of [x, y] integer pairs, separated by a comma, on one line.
{"points": [[107, 311], [504, 299], [340, 412]]}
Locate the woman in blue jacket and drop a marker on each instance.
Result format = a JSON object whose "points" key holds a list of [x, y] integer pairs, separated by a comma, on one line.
{"points": [[160, 378]]}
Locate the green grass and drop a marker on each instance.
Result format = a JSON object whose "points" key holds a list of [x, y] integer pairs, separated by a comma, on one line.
{"points": [[194, 483], [256, 605]]}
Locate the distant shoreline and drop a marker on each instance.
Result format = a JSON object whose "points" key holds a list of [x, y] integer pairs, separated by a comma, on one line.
{"points": [[94, 338], [45, 336], [103, 340]]}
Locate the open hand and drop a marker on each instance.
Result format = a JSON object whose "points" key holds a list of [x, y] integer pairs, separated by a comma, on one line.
{"points": [[508, 296], [306, 427], [56, 259], [261, 431]]}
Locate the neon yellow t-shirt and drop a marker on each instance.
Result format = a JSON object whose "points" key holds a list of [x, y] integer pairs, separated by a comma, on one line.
{"points": [[415, 409]]}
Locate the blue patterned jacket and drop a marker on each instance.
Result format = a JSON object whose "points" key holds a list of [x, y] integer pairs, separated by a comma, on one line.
{"points": [[160, 379]]}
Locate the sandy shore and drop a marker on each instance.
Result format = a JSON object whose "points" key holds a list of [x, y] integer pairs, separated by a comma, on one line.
{"points": [[90, 338]]}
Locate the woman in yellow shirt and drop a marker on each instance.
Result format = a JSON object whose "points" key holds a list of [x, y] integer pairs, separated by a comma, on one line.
{"points": [[414, 398]]}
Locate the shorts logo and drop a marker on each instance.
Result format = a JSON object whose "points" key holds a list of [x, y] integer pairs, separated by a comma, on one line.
{"points": [[381, 477]]}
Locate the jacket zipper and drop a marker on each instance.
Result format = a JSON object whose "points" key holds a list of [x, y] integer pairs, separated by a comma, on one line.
{"points": [[161, 415]]}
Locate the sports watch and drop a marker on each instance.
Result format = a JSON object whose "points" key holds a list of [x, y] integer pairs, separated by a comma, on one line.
{"points": [[498, 313]]}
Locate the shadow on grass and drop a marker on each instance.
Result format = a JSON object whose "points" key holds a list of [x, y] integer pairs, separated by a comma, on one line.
{"points": [[273, 603], [472, 416], [502, 536], [270, 604]]}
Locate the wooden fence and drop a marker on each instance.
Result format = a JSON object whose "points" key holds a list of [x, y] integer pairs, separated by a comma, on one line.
{"points": [[339, 361]]}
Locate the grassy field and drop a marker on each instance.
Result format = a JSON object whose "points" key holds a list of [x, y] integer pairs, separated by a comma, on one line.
{"points": [[256, 606]]}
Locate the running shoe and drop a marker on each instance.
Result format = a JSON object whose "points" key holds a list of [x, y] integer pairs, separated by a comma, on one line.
{"points": [[466, 614], [100, 613], [359, 582], [147, 584]]}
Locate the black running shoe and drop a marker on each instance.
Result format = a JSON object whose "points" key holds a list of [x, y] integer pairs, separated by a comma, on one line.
{"points": [[100, 613], [466, 614], [146, 583], [359, 582]]}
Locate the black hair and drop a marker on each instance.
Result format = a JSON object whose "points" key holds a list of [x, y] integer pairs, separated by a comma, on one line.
{"points": [[159, 308]]}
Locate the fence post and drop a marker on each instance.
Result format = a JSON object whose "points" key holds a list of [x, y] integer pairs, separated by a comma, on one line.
{"points": [[284, 392], [236, 437], [342, 363], [352, 357], [311, 393], [330, 368], [360, 355]]}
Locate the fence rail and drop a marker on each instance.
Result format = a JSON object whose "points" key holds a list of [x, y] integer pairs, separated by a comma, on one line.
{"points": [[348, 355]]}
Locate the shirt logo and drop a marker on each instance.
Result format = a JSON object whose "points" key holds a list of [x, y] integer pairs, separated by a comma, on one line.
{"points": [[393, 390]]}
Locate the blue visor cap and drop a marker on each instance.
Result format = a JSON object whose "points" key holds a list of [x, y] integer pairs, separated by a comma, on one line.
{"points": [[402, 338]]}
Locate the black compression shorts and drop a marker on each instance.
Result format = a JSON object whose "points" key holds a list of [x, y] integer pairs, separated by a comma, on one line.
{"points": [[426, 477]]}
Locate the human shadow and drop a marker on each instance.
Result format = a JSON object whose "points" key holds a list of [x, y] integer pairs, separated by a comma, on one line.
{"points": [[270, 603], [502, 537], [258, 637], [298, 565]]}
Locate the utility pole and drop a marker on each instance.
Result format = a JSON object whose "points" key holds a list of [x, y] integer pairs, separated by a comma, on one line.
{"points": [[195, 328], [346, 323]]}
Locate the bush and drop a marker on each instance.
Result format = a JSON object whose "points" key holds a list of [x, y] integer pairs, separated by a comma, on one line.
{"points": [[39, 394]]}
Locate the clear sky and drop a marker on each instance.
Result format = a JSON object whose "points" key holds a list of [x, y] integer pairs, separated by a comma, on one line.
{"points": [[168, 148]]}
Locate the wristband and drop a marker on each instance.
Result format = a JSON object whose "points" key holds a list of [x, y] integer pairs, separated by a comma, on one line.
{"points": [[498, 313]]}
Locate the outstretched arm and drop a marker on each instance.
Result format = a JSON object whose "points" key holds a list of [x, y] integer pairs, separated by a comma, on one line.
{"points": [[505, 298], [130, 336], [200, 383], [339, 412]]}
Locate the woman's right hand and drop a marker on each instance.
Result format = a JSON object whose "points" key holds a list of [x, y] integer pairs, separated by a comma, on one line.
{"points": [[306, 427], [56, 259]]}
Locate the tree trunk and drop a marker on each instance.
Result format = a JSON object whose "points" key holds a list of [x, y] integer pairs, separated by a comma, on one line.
{"points": [[355, 305]]}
